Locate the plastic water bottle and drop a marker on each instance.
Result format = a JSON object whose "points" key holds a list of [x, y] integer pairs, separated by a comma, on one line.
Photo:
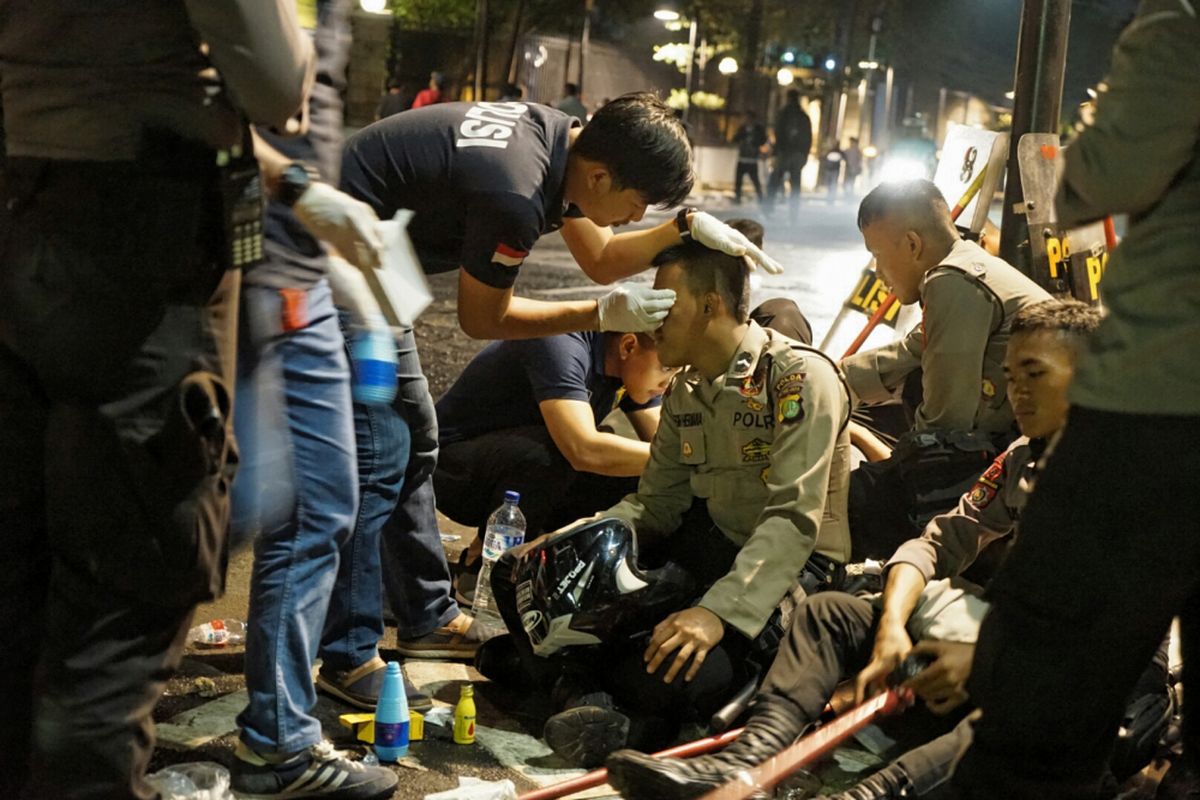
{"points": [[373, 363], [218, 633], [391, 716], [505, 529]]}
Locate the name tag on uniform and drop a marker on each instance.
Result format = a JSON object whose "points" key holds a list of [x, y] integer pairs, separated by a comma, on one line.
{"points": [[691, 445]]}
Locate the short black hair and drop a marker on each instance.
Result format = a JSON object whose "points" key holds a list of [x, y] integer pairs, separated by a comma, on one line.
{"points": [[1073, 320], [751, 229], [640, 141], [571, 88], [918, 201], [707, 270]]}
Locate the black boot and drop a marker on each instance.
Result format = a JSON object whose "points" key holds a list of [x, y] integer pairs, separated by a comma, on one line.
{"points": [[889, 783], [588, 728], [775, 723]]}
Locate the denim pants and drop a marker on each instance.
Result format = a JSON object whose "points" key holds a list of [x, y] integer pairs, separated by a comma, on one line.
{"points": [[116, 455], [382, 443], [294, 420], [404, 518]]}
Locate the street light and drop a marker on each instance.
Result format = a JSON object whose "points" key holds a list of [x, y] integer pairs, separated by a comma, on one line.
{"points": [[668, 13], [728, 67], [785, 77]]}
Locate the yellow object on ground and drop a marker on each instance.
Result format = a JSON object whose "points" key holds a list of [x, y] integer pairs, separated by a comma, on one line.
{"points": [[363, 725]]}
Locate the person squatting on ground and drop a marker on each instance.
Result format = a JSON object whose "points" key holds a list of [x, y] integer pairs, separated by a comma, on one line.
{"points": [[924, 601], [485, 180], [745, 492], [527, 416], [951, 361], [1117, 500], [118, 290], [315, 589]]}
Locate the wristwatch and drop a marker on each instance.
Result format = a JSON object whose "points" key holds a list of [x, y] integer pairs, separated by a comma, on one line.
{"points": [[681, 222], [295, 178]]}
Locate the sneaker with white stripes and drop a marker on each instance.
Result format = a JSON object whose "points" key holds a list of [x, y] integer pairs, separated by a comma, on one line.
{"points": [[320, 771]]}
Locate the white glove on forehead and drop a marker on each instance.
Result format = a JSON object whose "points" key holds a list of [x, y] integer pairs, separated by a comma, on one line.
{"points": [[711, 232], [630, 308]]}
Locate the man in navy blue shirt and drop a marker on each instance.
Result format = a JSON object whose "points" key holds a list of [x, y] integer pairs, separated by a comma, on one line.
{"points": [[484, 181], [526, 416]]}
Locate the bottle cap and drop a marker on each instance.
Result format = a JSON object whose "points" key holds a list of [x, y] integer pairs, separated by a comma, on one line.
{"points": [[512, 497], [467, 690]]}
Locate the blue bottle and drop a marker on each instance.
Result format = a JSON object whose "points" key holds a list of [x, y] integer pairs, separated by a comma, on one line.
{"points": [[373, 362], [391, 717]]}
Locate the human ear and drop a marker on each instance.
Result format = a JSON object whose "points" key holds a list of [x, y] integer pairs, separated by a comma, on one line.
{"points": [[627, 345], [915, 244], [599, 180]]}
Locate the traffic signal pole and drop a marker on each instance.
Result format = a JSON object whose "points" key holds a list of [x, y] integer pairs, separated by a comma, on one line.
{"points": [[1037, 106]]}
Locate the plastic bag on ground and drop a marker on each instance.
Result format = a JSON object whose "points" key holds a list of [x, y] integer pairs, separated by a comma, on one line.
{"points": [[202, 780], [478, 789]]}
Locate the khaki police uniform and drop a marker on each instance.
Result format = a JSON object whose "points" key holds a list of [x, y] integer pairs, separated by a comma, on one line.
{"points": [[765, 445], [832, 634], [969, 301]]}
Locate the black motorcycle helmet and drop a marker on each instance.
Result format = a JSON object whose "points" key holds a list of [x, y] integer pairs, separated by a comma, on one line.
{"points": [[583, 587]]}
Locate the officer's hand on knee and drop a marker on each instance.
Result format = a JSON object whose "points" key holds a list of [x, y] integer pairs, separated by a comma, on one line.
{"points": [[693, 632]]}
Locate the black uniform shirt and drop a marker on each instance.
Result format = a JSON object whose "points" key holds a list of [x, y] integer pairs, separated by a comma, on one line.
{"points": [[485, 180], [503, 385]]}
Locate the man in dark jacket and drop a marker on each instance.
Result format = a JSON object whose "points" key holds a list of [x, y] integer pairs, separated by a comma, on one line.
{"points": [[793, 140]]}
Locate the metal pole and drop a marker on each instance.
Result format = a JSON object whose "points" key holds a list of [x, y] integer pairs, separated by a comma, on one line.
{"points": [[481, 48], [584, 37], [885, 130], [1041, 61], [691, 69]]}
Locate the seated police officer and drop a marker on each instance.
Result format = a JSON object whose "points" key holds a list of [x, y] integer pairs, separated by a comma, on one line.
{"points": [[526, 416], [924, 600], [961, 417], [484, 181], [745, 491]]}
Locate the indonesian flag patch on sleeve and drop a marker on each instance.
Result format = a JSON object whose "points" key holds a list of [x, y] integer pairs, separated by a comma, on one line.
{"points": [[508, 256]]}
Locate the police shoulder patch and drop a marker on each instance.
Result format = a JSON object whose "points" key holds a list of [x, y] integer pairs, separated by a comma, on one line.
{"points": [[988, 486]]}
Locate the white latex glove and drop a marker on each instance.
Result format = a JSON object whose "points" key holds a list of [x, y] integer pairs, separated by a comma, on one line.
{"points": [[634, 309], [352, 293], [711, 232], [337, 218]]}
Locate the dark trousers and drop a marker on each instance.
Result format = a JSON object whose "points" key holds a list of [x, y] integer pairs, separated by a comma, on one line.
{"points": [[700, 549], [117, 329], [396, 498], [789, 166], [747, 169], [831, 636], [473, 475], [1116, 509]]}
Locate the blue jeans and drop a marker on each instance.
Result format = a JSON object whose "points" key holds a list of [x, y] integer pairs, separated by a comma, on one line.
{"points": [[294, 389], [355, 623], [398, 509]]}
